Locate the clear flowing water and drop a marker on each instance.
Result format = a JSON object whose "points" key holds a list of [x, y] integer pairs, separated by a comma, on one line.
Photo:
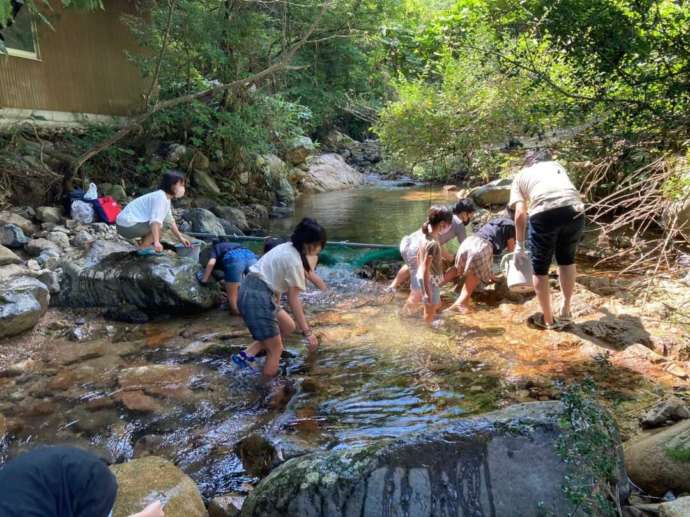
{"points": [[168, 388], [381, 213]]}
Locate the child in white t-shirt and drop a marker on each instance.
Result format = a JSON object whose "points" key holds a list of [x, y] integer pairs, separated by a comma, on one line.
{"points": [[282, 270]]}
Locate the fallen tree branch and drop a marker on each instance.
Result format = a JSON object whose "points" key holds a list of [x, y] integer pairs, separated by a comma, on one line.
{"points": [[283, 64]]}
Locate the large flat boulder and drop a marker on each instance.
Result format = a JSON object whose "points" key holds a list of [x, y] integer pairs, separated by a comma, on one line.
{"points": [[23, 300], [154, 284], [660, 462], [329, 172], [145, 480], [505, 463], [495, 193]]}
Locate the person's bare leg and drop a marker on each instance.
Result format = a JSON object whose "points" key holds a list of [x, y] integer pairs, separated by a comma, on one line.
{"points": [[232, 289], [274, 349], [464, 301], [566, 277], [147, 241], [285, 323], [413, 301], [254, 348], [450, 275], [402, 277], [541, 286], [209, 270]]}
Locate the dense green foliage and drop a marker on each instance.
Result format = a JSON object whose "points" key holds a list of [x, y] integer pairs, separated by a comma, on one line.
{"points": [[480, 72]]}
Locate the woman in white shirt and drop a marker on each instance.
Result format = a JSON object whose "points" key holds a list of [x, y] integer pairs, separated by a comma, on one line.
{"points": [[143, 218], [281, 270]]}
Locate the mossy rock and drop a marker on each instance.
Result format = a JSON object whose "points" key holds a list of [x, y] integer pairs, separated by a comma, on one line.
{"points": [[145, 480], [504, 463]]}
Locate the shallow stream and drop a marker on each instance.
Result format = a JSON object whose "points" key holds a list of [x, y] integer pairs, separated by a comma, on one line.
{"points": [[168, 387]]}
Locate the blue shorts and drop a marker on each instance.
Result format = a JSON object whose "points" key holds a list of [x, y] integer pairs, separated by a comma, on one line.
{"points": [[554, 232], [258, 308], [236, 264]]}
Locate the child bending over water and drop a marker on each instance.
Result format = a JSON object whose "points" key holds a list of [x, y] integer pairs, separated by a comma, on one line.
{"points": [[282, 270], [427, 268]]}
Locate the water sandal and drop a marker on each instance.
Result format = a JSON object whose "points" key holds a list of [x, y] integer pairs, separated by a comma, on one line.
{"points": [[537, 321], [148, 252], [243, 360]]}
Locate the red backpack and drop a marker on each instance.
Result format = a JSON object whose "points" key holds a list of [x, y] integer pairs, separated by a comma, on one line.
{"points": [[107, 209]]}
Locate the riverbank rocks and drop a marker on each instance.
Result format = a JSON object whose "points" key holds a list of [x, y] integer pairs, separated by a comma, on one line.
{"points": [[204, 183], [501, 464], [23, 300], [145, 480], [299, 149], [670, 410], [49, 214], [102, 248], [155, 284], [678, 508], [8, 257], [12, 236], [202, 221], [494, 193], [37, 247], [10, 218], [162, 380], [660, 462], [329, 172], [233, 215]]}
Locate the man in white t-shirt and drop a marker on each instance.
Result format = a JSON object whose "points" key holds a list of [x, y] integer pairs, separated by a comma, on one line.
{"points": [[543, 192]]}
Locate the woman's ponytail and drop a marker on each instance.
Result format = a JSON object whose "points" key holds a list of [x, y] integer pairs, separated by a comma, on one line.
{"points": [[437, 214]]}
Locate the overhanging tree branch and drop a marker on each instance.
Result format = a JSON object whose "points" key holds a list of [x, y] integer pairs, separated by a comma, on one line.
{"points": [[283, 64]]}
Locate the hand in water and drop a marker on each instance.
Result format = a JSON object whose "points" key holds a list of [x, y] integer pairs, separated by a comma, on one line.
{"points": [[313, 342], [153, 510]]}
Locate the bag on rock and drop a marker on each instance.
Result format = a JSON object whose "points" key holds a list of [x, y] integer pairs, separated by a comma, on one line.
{"points": [[107, 209], [83, 212], [92, 193]]}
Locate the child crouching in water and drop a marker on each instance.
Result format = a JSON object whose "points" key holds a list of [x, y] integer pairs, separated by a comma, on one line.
{"points": [[283, 269], [426, 281]]}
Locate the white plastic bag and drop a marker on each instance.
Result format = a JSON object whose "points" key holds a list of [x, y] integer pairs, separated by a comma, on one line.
{"points": [[83, 212], [92, 193]]}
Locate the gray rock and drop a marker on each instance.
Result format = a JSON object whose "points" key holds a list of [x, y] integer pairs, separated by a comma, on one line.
{"points": [[678, 508], [228, 505], [203, 221], [155, 284], [204, 183], [51, 279], [49, 259], [492, 194], [59, 238], [36, 247], [101, 249], [82, 239], [272, 166], [10, 218], [281, 212], [234, 215], [229, 228], [671, 409], [49, 214], [12, 236], [256, 214], [119, 194], [330, 172], [299, 149], [23, 300], [8, 257], [175, 153], [501, 464], [285, 193]]}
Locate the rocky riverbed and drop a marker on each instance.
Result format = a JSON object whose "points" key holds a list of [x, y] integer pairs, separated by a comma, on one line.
{"points": [[129, 357]]}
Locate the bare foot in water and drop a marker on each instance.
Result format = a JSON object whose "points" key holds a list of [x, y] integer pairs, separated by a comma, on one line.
{"points": [[460, 309]]}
